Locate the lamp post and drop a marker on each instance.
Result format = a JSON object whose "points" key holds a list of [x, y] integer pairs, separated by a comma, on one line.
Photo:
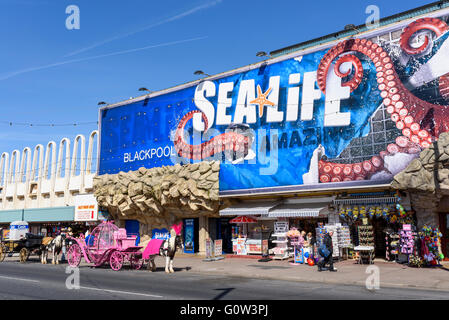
{"points": [[262, 54], [351, 27], [144, 89], [201, 73]]}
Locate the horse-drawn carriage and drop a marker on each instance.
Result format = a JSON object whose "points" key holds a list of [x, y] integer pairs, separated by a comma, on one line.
{"points": [[106, 243], [20, 241]]}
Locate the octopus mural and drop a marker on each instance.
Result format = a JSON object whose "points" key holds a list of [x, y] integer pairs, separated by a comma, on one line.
{"points": [[420, 122]]}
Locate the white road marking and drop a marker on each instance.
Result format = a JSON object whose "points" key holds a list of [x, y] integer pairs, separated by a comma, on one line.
{"points": [[19, 279], [125, 292]]}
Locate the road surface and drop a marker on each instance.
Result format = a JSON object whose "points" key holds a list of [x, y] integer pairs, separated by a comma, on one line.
{"points": [[36, 281]]}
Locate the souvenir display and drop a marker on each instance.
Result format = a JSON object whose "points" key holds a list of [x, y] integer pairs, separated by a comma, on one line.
{"points": [[415, 261], [366, 236], [320, 232], [407, 239], [392, 246], [344, 237], [344, 240], [391, 213], [297, 241], [431, 245], [280, 233]]}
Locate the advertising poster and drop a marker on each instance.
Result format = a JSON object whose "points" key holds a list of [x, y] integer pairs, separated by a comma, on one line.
{"points": [[86, 208], [162, 234], [218, 247], [5, 234], [357, 111], [208, 248], [241, 247], [189, 246], [265, 247]]}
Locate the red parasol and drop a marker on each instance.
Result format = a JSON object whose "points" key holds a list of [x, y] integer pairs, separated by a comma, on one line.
{"points": [[243, 219]]}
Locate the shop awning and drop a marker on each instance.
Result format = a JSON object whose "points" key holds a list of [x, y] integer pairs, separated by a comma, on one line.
{"points": [[249, 208], [366, 200], [243, 219], [300, 210], [55, 214]]}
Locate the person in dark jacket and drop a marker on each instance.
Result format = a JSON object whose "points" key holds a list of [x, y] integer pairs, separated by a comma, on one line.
{"points": [[327, 241]]}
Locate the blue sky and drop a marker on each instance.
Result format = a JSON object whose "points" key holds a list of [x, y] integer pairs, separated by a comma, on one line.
{"points": [[54, 75]]}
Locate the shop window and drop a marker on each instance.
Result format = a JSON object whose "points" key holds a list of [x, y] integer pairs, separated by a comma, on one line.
{"points": [[385, 37], [396, 35]]}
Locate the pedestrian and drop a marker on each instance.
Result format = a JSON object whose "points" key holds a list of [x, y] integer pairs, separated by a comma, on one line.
{"points": [[88, 232], [310, 239], [326, 251], [63, 234]]}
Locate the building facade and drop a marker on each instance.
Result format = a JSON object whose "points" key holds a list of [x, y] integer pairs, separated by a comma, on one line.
{"points": [[50, 186], [311, 136]]}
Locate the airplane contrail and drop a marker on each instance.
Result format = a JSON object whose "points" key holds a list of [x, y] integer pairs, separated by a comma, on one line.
{"points": [[15, 73], [173, 18]]}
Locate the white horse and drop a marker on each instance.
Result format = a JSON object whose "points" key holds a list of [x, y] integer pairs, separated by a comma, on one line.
{"points": [[167, 250], [55, 247]]}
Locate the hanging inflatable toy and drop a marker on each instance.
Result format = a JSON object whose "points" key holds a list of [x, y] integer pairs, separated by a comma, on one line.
{"points": [[362, 212], [349, 211], [371, 212], [385, 213], [378, 211], [355, 213], [343, 213], [393, 218]]}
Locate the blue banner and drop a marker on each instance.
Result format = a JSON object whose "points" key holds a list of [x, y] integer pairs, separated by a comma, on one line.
{"points": [[360, 110]]}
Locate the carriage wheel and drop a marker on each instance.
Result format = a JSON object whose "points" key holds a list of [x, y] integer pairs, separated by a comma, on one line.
{"points": [[136, 262], [2, 252], [74, 255], [23, 255], [116, 260]]}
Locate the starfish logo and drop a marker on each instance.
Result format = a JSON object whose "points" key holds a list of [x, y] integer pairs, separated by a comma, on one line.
{"points": [[262, 100]]}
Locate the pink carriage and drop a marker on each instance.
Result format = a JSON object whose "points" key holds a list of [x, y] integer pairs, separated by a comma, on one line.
{"points": [[107, 242]]}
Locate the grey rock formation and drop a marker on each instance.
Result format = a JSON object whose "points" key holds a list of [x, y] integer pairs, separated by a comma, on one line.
{"points": [[429, 172], [427, 180], [160, 196]]}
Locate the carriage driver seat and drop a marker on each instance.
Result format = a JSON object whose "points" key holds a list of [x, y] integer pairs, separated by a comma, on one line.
{"points": [[123, 241]]}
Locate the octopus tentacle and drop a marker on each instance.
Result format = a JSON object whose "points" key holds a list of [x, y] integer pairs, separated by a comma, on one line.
{"points": [[444, 86], [421, 122], [226, 141], [437, 26], [358, 73]]}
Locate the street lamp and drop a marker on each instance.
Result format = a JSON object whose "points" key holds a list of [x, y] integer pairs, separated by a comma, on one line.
{"points": [[201, 73], [101, 103], [262, 54], [144, 89], [351, 27]]}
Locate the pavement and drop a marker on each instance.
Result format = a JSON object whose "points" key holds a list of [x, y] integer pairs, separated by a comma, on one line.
{"points": [[391, 274]]}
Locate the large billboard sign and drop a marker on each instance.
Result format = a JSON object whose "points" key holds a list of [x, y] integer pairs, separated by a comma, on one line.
{"points": [[357, 110]]}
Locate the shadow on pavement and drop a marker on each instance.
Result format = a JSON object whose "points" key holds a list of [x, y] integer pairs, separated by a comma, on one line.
{"points": [[225, 292]]}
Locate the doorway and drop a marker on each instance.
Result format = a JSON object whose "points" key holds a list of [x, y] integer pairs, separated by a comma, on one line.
{"points": [[225, 233], [444, 229]]}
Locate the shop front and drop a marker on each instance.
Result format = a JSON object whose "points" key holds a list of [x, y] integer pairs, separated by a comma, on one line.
{"points": [[248, 224], [324, 133], [299, 224], [259, 226]]}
